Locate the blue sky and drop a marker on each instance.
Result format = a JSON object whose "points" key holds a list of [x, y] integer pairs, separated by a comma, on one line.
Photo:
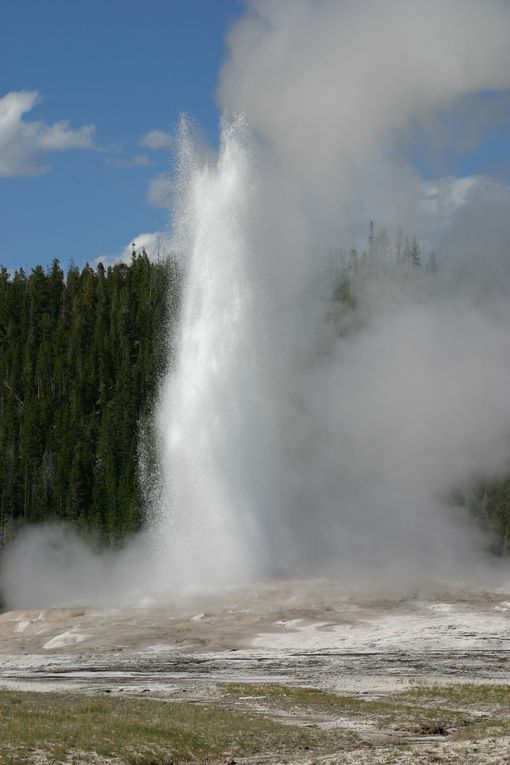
{"points": [[472, 137], [128, 68], [125, 67]]}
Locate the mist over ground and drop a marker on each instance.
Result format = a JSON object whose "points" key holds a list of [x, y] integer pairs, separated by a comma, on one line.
{"points": [[293, 441]]}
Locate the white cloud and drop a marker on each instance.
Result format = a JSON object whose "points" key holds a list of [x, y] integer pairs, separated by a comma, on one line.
{"points": [[432, 209], [159, 192], [157, 245], [24, 145], [157, 140]]}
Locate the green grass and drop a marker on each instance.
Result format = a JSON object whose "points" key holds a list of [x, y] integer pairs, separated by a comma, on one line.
{"points": [[52, 728], [311, 698], [140, 731], [492, 701], [439, 711], [467, 695]]}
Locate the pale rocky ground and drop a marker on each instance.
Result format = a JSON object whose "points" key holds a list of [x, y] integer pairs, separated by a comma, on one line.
{"points": [[349, 640]]}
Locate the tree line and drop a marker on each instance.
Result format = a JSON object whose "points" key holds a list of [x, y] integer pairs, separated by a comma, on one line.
{"points": [[80, 357]]}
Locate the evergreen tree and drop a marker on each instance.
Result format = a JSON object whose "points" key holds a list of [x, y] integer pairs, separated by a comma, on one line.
{"points": [[80, 358]]}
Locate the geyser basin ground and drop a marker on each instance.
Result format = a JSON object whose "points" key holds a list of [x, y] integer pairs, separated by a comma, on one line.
{"points": [[429, 668]]}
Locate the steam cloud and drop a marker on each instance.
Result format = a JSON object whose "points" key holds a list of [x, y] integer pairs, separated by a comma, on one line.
{"points": [[286, 448], [335, 86]]}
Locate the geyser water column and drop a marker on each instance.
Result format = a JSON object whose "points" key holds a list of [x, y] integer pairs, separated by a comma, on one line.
{"points": [[212, 417], [287, 443]]}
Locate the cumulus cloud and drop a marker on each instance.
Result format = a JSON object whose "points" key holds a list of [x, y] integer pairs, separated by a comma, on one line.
{"points": [[160, 190], [24, 145], [157, 245], [432, 209], [157, 140]]}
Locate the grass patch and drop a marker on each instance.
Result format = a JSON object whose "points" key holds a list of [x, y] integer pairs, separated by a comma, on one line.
{"points": [[46, 728], [396, 712], [56, 726], [490, 701], [469, 695]]}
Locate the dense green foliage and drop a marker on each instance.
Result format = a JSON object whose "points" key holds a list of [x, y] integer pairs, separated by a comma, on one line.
{"points": [[79, 363]]}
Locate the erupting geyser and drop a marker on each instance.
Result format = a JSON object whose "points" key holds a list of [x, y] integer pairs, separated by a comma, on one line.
{"points": [[207, 516], [286, 444], [296, 437]]}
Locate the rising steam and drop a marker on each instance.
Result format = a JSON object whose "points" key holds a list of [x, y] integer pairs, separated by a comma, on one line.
{"points": [[291, 442]]}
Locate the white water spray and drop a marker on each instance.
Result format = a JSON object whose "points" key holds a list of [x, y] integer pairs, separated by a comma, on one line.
{"points": [[207, 525]]}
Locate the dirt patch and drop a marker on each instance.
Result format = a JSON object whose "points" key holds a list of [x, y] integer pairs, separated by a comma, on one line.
{"points": [[422, 676]]}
